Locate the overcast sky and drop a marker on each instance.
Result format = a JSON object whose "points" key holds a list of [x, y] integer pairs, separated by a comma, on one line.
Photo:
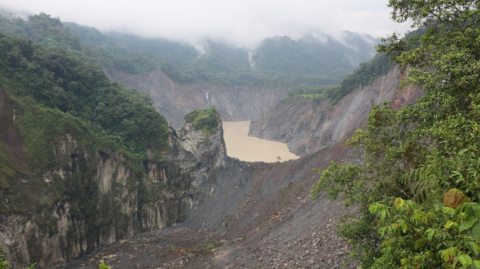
{"points": [[241, 22]]}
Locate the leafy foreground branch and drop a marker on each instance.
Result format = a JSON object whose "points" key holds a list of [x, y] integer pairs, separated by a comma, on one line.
{"points": [[418, 185]]}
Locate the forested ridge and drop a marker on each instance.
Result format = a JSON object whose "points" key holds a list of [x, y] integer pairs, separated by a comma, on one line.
{"points": [[277, 62], [416, 179], [50, 32], [55, 93], [51, 100]]}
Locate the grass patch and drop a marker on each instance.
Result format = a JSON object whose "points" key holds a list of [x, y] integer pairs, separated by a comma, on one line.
{"points": [[211, 246], [313, 96], [205, 120]]}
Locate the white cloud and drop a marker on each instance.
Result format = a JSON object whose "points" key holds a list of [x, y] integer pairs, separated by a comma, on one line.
{"points": [[241, 22]]}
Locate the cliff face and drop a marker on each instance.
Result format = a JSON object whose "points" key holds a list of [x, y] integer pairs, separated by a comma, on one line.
{"points": [[308, 125], [174, 101], [93, 197]]}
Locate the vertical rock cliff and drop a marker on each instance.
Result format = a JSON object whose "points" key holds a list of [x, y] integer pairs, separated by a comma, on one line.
{"points": [[308, 125], [91, 197], [174, 101]]}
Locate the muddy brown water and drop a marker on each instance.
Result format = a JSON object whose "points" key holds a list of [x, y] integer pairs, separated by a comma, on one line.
{"points": [[253, 149]]}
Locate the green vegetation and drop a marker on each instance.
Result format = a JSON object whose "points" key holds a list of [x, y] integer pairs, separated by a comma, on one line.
{"points": [[311, 91], [57, 92], [41, 29], [54, 96], [312, 62], [277, 62], [50, 32], [362, 76], [62, 106], [211, 246], [3, 264], [103, 266], [418, 186], [313, 96], [205, 120]]}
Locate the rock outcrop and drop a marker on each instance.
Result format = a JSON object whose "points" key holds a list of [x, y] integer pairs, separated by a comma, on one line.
{"points": [[174, 101], [91, 197], [308, 125]]}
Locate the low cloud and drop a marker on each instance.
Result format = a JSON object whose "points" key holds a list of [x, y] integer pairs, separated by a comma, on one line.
{"points": [[241, 22]]}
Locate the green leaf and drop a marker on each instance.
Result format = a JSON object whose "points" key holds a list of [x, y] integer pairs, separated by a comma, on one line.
{"points": [[476, 210], [382, 214], [451, 252], [429, 233], [448, 224], [419, 243], [465, 260], [476, 231], [373, 208], [461, 152], [476, 263], [476, 247], [467, 224], [468, 210], [399, 202], [382, 231]]}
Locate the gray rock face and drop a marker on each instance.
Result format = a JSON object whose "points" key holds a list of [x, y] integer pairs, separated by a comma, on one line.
{"points": [[91, 198], [174, 101], [103, 200], [217, 182], [308, 125]]}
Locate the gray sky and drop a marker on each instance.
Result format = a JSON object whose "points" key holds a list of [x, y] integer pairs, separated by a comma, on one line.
{"points": [[241, 22]]}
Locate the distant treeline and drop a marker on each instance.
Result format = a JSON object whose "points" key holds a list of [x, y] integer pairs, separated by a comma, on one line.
{"points": [[306, 65], [277, 62], [362, 76], [50, 32], [57, 93]]}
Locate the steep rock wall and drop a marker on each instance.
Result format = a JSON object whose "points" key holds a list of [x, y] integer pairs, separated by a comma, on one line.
{"points": [[308, 125], [93, 197], [174, 101]]}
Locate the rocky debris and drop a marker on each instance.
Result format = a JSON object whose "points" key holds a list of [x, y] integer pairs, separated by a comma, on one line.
{"points": [[274, 225]]}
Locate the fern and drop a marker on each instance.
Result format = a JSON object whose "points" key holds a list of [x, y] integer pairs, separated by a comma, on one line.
{"points": [[420, 180]]}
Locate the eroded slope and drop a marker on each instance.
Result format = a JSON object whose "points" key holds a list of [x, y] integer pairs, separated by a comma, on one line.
{"points": [[308, 125]]}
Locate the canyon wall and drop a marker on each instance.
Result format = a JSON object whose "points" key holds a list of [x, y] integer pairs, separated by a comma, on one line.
{"points": [[174, 101], [308, 125], [91, 197]]}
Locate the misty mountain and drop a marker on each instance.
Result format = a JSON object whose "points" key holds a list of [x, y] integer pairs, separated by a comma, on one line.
{"points": [[278, 61], [315, 59]]}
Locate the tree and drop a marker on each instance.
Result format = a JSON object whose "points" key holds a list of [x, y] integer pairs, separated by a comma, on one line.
{"points": [[418, 186]]}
